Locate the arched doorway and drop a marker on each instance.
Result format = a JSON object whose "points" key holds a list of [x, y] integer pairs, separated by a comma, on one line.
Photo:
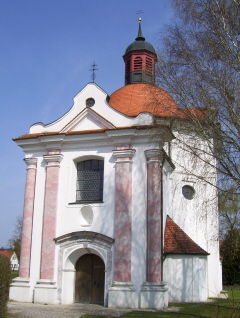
{"points": [[90, 278]]}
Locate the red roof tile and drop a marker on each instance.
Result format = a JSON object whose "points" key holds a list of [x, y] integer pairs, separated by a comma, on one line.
{"points": [[7, 253], [134, 99], [176, 241]]}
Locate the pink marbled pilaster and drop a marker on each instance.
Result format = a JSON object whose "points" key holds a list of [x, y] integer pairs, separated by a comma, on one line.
{"points": [[26, 240], [123, 215], [154, 216], [49, 215]]}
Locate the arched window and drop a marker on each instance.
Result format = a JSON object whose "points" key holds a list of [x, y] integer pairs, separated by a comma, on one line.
{"points": [[137, 63], [90, 180]]}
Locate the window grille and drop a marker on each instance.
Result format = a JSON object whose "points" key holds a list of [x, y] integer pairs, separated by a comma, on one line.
{"points": [[90, 180]]}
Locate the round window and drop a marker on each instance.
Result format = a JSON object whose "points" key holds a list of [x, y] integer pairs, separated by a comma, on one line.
{"points": [[90, 102], [188, 192]]}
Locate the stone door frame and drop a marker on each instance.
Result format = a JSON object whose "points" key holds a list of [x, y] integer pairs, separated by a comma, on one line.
{"points": [[72, 246]]}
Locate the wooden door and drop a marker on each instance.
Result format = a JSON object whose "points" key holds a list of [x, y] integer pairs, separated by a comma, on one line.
{"points": [[90, 276]]}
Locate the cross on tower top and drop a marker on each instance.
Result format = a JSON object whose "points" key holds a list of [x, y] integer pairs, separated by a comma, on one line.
{"points": [[140, 12], [93, 69]]}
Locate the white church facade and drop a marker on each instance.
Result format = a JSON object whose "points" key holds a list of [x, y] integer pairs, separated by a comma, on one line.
{"points": [[110, 215]]}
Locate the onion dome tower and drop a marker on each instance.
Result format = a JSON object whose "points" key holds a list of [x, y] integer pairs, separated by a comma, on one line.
{"points": [[140, 58]]}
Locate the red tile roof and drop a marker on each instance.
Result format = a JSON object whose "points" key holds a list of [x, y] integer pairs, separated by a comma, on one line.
{"points": [[7, 253], [134, 99], [176, 241]]}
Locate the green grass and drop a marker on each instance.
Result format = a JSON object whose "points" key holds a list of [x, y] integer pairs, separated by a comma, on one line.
{"points": [[14, 274], [219, 308]]}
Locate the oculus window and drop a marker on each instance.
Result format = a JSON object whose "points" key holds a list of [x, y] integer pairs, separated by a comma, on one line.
{"points": [[90, 180], [90, 102], [188, 192]]}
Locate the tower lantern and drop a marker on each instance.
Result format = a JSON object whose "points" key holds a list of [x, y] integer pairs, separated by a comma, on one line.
{"points": [[140, 58]]}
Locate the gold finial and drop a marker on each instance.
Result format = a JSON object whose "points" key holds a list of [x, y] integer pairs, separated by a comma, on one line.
{"points": [[139, 19]]}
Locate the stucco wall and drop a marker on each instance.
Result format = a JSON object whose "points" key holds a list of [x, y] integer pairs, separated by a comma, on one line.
{"points": [[186, 278], [198, 217]]}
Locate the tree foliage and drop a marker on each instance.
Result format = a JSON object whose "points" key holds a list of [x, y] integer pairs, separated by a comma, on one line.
{"points": [[199, 65], [229, 212], [230, 252], [4, 283], [14, 242]]}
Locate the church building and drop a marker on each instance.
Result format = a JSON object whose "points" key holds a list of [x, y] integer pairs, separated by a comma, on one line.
{"points": [[111, 216]]}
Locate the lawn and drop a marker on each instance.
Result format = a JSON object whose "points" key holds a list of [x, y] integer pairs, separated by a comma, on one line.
{"points": [[14, 274], [220, 308]]}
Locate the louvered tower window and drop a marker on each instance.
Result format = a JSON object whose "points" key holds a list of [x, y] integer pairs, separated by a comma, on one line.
{"points": [[137, 63], [149, 65], [127, 66], [90, 180]]}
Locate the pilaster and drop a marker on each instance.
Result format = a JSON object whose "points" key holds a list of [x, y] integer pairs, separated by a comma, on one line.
{"points": [[53, 159], [154, 215], [154, 292], [123, 215], [26, 240], [122, 292], [46, 288], [20, 289]]}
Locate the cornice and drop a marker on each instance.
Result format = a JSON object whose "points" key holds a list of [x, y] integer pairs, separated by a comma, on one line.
{"points": [[102, 137]]}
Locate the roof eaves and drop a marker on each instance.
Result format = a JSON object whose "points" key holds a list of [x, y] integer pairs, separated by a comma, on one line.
{"points": [[29, 136], [186, 253]]}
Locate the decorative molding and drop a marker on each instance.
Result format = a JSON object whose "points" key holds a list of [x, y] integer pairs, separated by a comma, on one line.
{"points": [[45, 282], [127, 153], [128, 132], [84, 236], [20, 280], [123, 286], [53, 158], [30, 161], [124, 161], [153, 286], [53, 140], [87, 112], [156, 153]]}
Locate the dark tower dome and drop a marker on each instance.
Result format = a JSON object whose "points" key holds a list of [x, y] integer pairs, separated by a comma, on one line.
{"points": [[140, 58], [140, 43]]}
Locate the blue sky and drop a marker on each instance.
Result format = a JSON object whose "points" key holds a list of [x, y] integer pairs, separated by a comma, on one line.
{"points": [[46, 50]]}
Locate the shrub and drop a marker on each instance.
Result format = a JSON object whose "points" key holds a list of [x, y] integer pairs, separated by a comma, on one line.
{"points": [[4, 283], [230, 252]]}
